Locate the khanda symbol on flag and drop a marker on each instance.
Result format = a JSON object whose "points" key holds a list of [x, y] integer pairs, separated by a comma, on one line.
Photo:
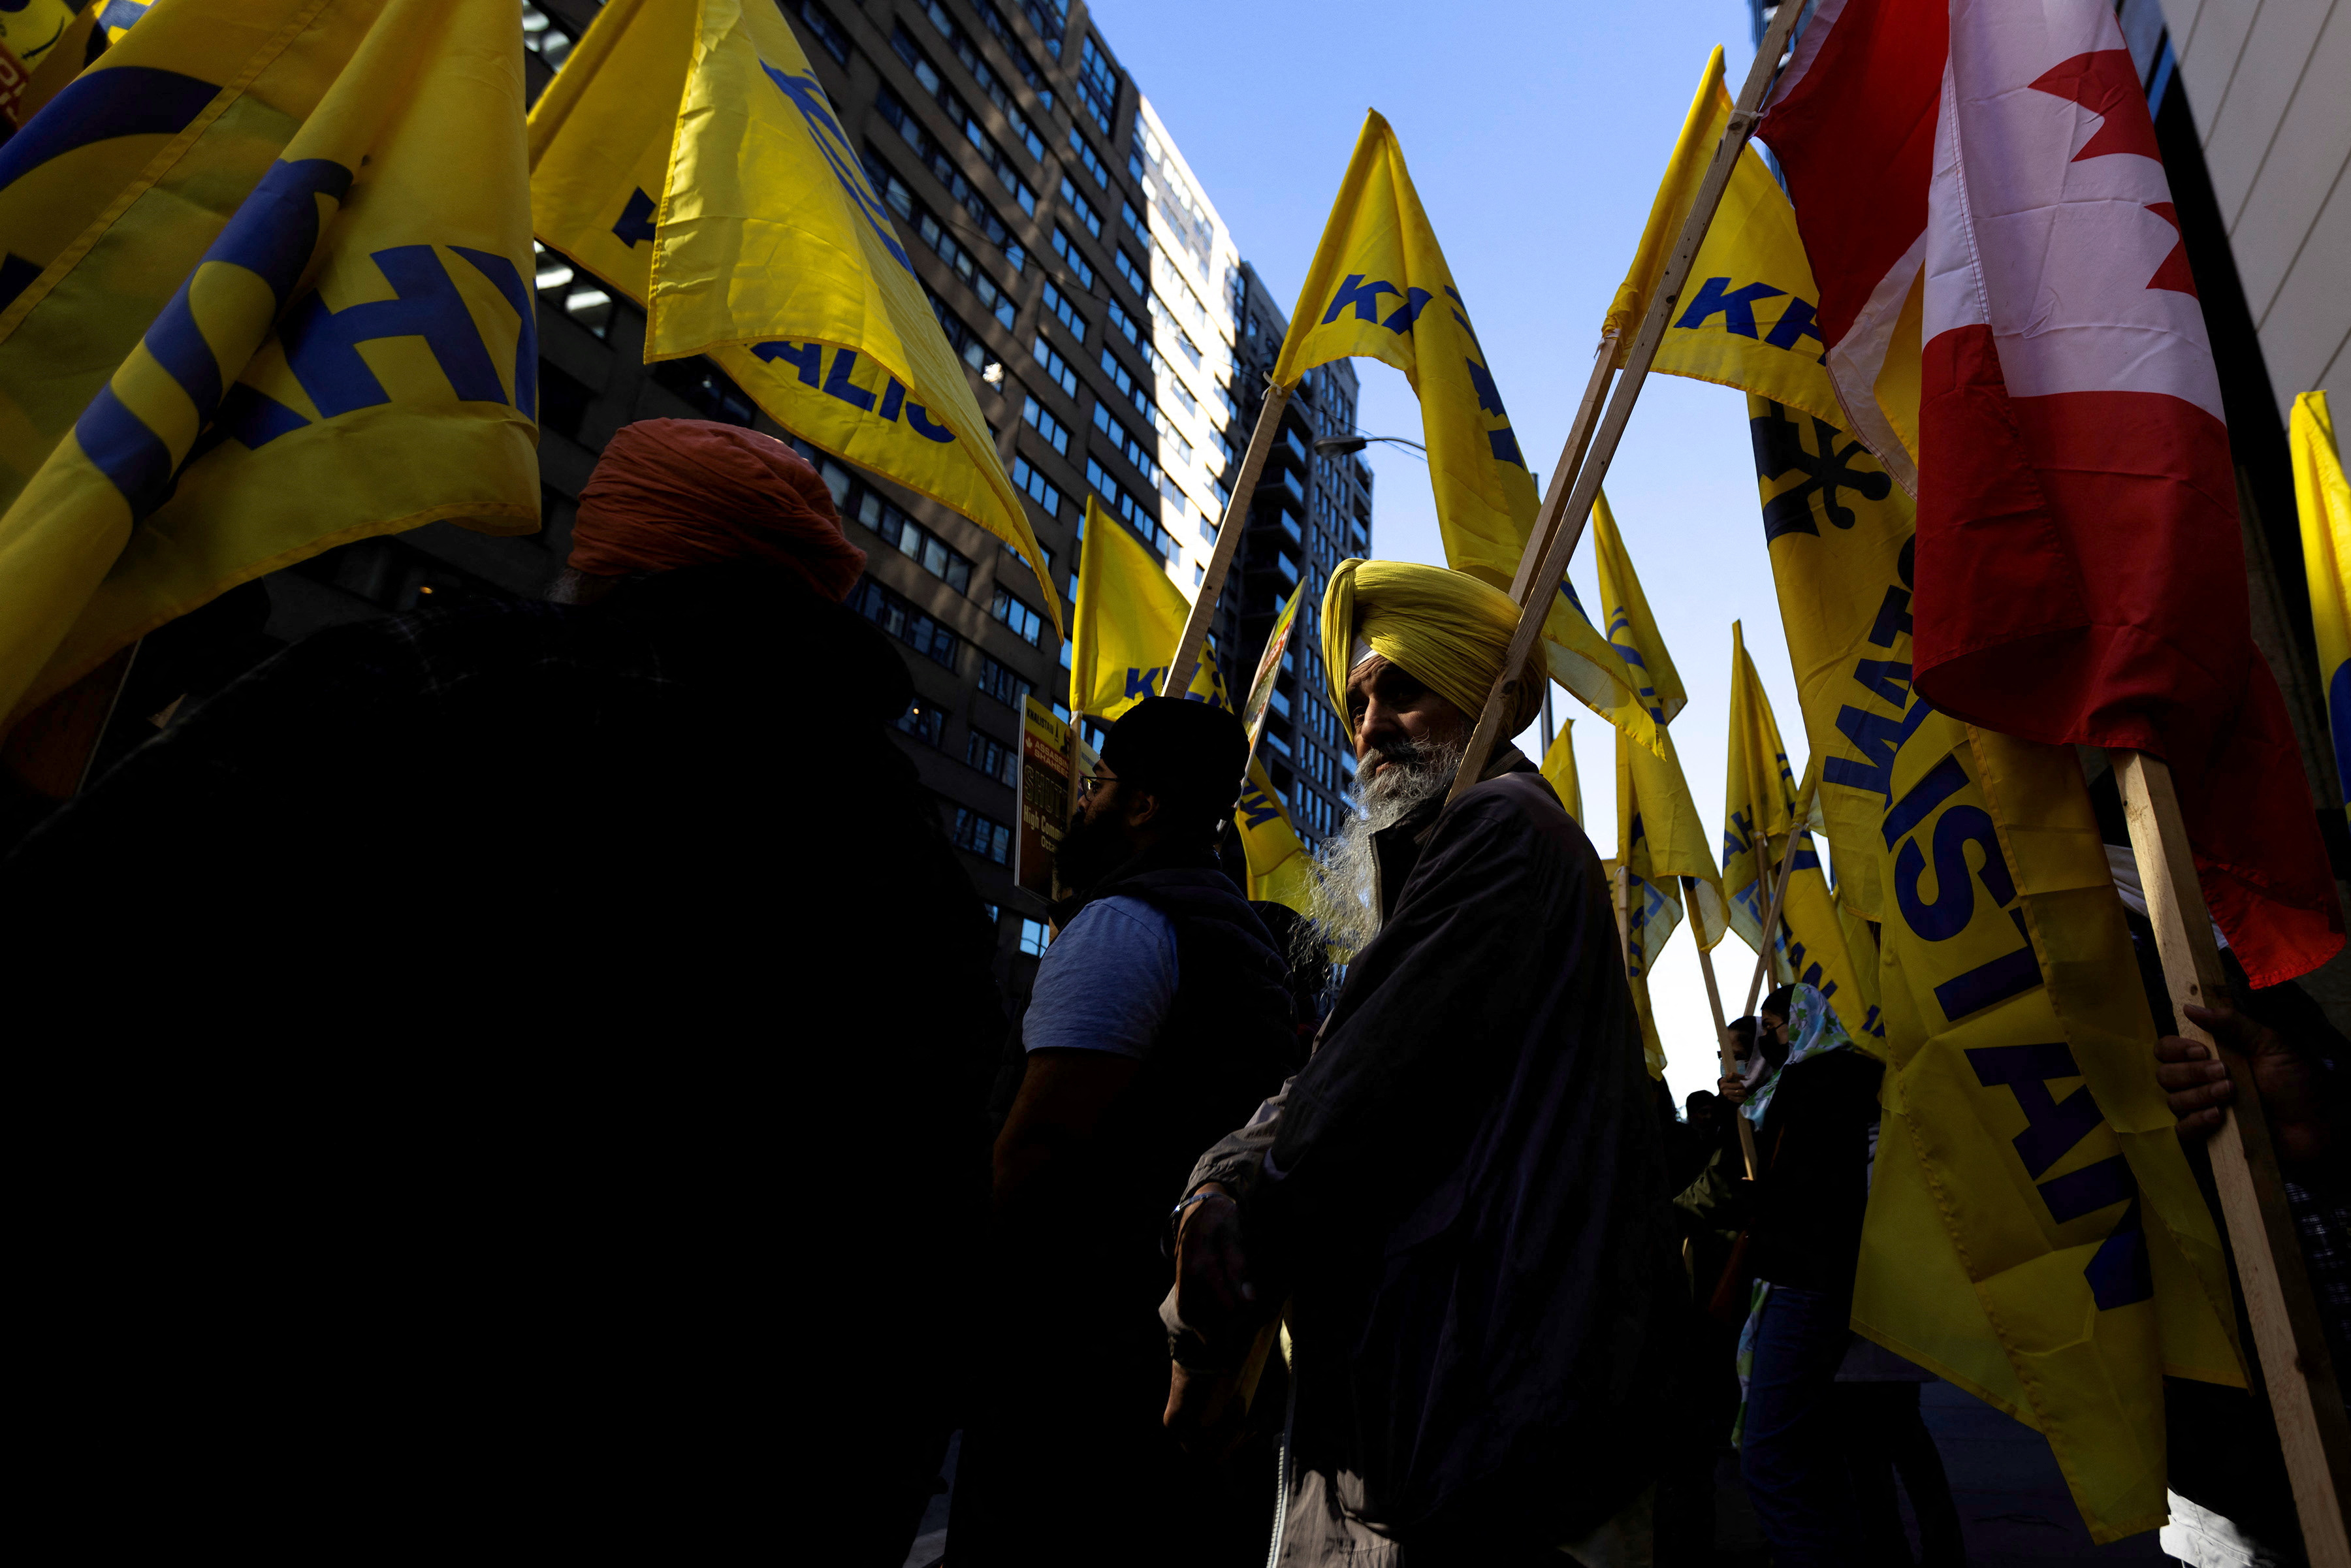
{"points": [[1379, 288], [687, 156], [2033, 1234], [203, 231]]}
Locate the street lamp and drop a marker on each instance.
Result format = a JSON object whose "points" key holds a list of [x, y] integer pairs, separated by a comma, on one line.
{"points": [[1333, 445]]}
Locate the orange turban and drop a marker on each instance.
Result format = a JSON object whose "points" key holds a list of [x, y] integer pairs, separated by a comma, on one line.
{"points": [[669, 492]]}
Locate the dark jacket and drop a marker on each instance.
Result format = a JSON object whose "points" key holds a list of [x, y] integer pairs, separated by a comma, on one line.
{"points": [[487, 1029], [1227, 1042], [1813, 1187], [1464, 1190], [1066, 1451]]}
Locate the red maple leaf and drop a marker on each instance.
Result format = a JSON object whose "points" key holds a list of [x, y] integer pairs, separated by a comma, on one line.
{"points": [[2174, 272], [2106, 84]]}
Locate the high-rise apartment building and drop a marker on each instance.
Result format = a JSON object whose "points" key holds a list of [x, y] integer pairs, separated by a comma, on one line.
{"points": [[1116, 342]]}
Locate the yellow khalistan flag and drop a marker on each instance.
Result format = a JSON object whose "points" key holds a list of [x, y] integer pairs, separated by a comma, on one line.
{"points": [[2033, 1233], [687, 157], [1379, 288], [2324, 498], [1558, 767], [1128, 614], [1661, 840], [1745, 315], [1279, 869], [267, 320], [1760, 811]]}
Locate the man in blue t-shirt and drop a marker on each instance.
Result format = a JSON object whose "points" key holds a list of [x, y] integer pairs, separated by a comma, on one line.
{"points": [[1159, 1016]]}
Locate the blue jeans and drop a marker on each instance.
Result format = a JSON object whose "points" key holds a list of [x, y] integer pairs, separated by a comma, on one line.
{"points": [[1790, 1457]]}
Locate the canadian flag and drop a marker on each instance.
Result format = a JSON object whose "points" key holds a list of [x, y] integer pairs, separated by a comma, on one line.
{"points": [[2013, 327]]}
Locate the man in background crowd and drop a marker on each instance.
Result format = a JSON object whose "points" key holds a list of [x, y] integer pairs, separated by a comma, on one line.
{"points": [[496, 1023], [1160, 1014]]}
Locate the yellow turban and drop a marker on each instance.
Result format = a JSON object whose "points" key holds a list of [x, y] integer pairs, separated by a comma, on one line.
{"points": [[1447, 630]]}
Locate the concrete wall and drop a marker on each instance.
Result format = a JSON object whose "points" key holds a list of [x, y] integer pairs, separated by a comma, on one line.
{"points": [[2269, 84]]}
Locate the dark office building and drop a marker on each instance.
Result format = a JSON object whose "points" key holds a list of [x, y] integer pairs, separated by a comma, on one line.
{"points": [[1117, 346]]}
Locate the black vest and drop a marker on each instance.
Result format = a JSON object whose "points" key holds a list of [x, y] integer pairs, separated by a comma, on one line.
{"points": [[1227, 1044]]}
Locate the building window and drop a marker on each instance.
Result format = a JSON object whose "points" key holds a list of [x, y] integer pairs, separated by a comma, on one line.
{"points": [[1026, 622], [983, 836], [925, 720], [960, 338], [1029, 69], [1083, 208], [1036, 487], [707, 388], [991, 757], [1001, 684], [576, 295], [1035, 937], [893, 189], [1119, 500], [824, 30], [913, 541], [1125, 323], [1067, 249], [904, 621], [1059, 304], [545, 36], [1098, 84], [1086, 155], [1128, 445], [1040, 419], [989, 83], [1055, 367], [1052, 19], [1132, 272], [947, 246], [1128, 386], [1133, 221]]}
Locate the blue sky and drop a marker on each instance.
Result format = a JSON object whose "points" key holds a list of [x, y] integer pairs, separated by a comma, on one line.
{"points": [[1536, 134]]}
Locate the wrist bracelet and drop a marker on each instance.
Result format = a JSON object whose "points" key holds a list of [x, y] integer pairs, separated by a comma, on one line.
{"points": [[1177, 1212]]}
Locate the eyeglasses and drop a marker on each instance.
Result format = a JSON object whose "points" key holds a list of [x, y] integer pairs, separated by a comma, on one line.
{"points": [[1089, 783]]}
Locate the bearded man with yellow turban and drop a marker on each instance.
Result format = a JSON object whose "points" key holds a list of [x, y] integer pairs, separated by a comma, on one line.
{"points": [[1461, 1196]]}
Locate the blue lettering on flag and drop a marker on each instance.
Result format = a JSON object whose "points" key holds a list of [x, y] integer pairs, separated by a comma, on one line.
{"points": [[920, 418], [838, 384], [2118, 1273], [808, 357], [1364, 297], [809, 97], [1893, 613], [1144, 683], [1405, 314], [99, 105], [1796, 322], [1995, 981], [1258, 808], [1827, 466], [272, 235], [636, 220], [1505, 445], [1735, 306], [1954, 901], [508, 282], [1490, 397], [322, 345]]}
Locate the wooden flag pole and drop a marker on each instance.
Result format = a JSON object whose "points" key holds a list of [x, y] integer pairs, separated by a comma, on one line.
{"points": [[1771, 919], [2303, 1395], [1721, 1026], [1570, 458], [1535, 588], [1229, 539]]}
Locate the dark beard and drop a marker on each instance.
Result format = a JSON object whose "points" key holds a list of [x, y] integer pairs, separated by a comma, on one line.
{"points": [[1090, 851]]}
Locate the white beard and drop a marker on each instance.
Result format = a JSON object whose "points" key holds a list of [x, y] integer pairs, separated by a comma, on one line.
{"points": [[1346, 914]]}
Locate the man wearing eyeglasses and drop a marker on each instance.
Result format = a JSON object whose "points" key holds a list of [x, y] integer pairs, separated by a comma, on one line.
{"points": [[1159, 1016]]}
